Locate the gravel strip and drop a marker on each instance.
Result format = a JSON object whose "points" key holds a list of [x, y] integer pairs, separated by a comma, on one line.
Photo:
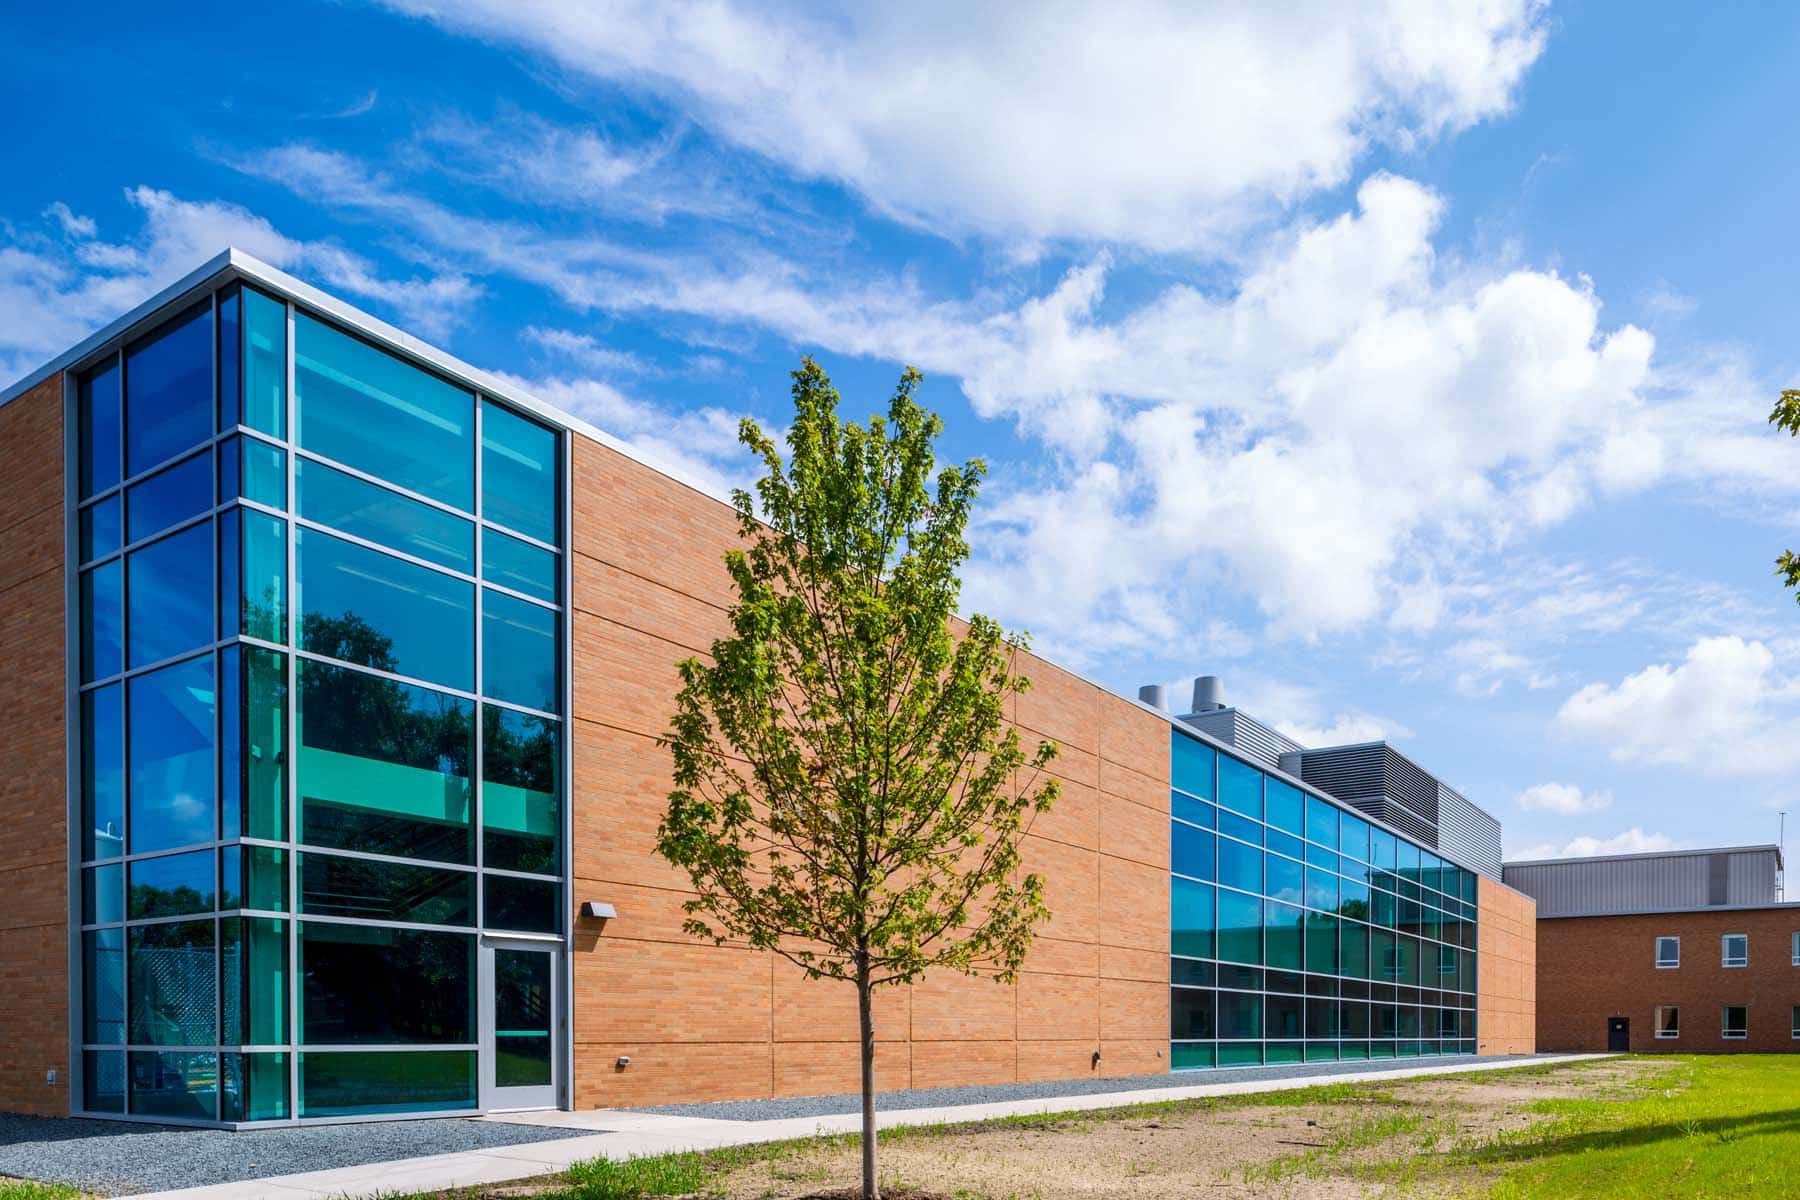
{"points": [[825, 1106], [121, 1157]]}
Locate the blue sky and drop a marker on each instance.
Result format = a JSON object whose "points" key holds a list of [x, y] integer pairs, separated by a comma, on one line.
{"points": [[1409, 373]]}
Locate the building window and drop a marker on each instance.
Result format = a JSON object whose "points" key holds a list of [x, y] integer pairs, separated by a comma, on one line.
{"points": [[1796, 948], [1795, 1025], [1668, 953], [1735, 1022], [1734, 950], [1668, 1021]]}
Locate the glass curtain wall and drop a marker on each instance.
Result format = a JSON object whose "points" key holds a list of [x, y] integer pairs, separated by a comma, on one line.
{"points": [[1301, 932], [320, 672]]}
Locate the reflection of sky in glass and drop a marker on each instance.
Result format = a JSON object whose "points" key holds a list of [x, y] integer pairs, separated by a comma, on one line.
{"points": [[518, 473], [169, 595], [171, 760], [102, 634], [168, 393], [426, 617], [103, 774], [168, 496], [518, 652]]}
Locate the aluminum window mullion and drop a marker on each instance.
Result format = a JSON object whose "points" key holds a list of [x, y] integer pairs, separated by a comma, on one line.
{"points": [[382, 548], [385, 923], [510, 532], [290, 780], [387, 485]]}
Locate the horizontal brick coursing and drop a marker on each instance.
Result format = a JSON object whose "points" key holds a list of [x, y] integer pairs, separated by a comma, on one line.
{"points": [[1506, 966], [702, 1022]]}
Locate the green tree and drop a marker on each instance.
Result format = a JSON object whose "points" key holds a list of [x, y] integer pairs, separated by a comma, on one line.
{"points": [[1787, 416], [844, 772]]}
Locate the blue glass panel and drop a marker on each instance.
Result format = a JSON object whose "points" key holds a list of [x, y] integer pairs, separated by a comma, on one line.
{"points": [[518, 652], [98, 403], [103, 895], [169, 590], [1240, 927], [264, 404], [371, 608], [518, 473], [521, 809], [1241, 828], [171, 885], [1191, 918], [358, 507], [1191, 850], [1240, 787], [103, 986], [1293, 847], [1321, 822], [1190, 809], [174, 984], [519, 565], [171, 756], [100, 532], [103, 772], [1321, 890], [1191, 765], [184, 1085], [1353, 837], [1318, 856], [1381, 849], [1240, 866], [230, 314], [1406, 862], [1286, 806], [368, 409], [102, 622], [169, 390], [1286, 879]]}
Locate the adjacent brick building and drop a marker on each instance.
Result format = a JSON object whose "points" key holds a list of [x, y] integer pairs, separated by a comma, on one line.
{"points": [[334, 668]]}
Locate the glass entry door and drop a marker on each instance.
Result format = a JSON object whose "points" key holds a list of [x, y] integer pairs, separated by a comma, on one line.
{"points": [[519, 1029]]}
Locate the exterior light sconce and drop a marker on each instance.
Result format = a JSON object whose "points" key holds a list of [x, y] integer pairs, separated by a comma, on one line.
{"points": [[598, 910]]}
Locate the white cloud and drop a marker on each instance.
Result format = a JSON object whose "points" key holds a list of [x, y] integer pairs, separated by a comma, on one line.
{"points": [[1632, 841], [1725, 709], [1156, 124], [72, 224], [1563, 798]]}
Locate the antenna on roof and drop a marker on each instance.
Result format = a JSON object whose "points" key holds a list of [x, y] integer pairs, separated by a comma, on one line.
{"points": [[1781, 859]]}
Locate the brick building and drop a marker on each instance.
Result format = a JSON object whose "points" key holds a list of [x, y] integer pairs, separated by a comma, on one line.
{"points": [[334, 668], [1687, 951]]}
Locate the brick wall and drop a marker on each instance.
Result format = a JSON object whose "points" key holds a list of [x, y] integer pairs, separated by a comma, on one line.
{"points": [[1592, 969], [1506, 970], [34, 979], [703, 1022]]}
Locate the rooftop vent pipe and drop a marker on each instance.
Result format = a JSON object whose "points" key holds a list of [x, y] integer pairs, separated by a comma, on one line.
{"points": [[1155, 695], [1209, 694]]}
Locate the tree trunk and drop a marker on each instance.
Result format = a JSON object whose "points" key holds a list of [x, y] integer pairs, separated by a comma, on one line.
{"points": [[866, 1016]]}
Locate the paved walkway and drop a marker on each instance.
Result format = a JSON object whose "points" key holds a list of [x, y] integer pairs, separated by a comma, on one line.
{"points": [[618, 1133]]}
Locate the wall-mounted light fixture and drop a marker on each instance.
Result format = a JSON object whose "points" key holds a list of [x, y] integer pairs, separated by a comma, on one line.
{"points": [[599, 910]]}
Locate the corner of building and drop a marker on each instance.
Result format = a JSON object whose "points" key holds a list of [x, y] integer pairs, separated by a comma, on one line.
{"points": [[1506, 984]]}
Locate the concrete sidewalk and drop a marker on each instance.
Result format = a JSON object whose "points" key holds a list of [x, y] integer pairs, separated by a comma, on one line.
{"points": [[621, 1134]]}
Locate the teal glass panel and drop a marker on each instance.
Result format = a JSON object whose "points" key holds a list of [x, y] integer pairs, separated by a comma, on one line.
{"points": [[1381, 1050], [253, 974], [103, 1081], [371, 608], [230, 315], [253, 877], [179, 1084], [1190, 809], [1384, 961], [1407, 960], [370, 1083], [332, 886], [1191, 766], [1281, 1052], [1321, 1052], [174, 984], [103, 986], [1383, 909], [1353, 837], [253, 470], [1465, 971], [254, 1087], [253, 746], [264, 392], [102, 622], [1191, 1013], [519, 565], [171, 886], [1353, 899], [1282, 1016], [384, 766], [1321, 890], [1356, 1020], [1185, 972], [521, 811], [371, 411], [103, 772], [169, 496], [1286, 806], [1321, 822], [1191, 851], [1240, 1015], [1356, 1050], [1241, 828], [169, 390], [1284, 843], [1382, 849], [1240, 787], [525, 905], [371, 985], [169, 595], [1321, 943], [1240, 927], [1283, 924], [360, 508], [1286, 880], [1410, 1024], [1191, 918], [518, 652], [100, 531], [1406, 862], [1318, 856], [1240, 866], [97, 402], [170, 761], [1240, 1054], [1191, 1056], [252, 575], [103, 895], [518, 473], [1468, 887]]}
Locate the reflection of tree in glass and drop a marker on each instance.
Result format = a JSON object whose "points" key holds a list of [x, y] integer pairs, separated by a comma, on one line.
{"points": [[149, 900], [519, 750], [365, 715]]}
